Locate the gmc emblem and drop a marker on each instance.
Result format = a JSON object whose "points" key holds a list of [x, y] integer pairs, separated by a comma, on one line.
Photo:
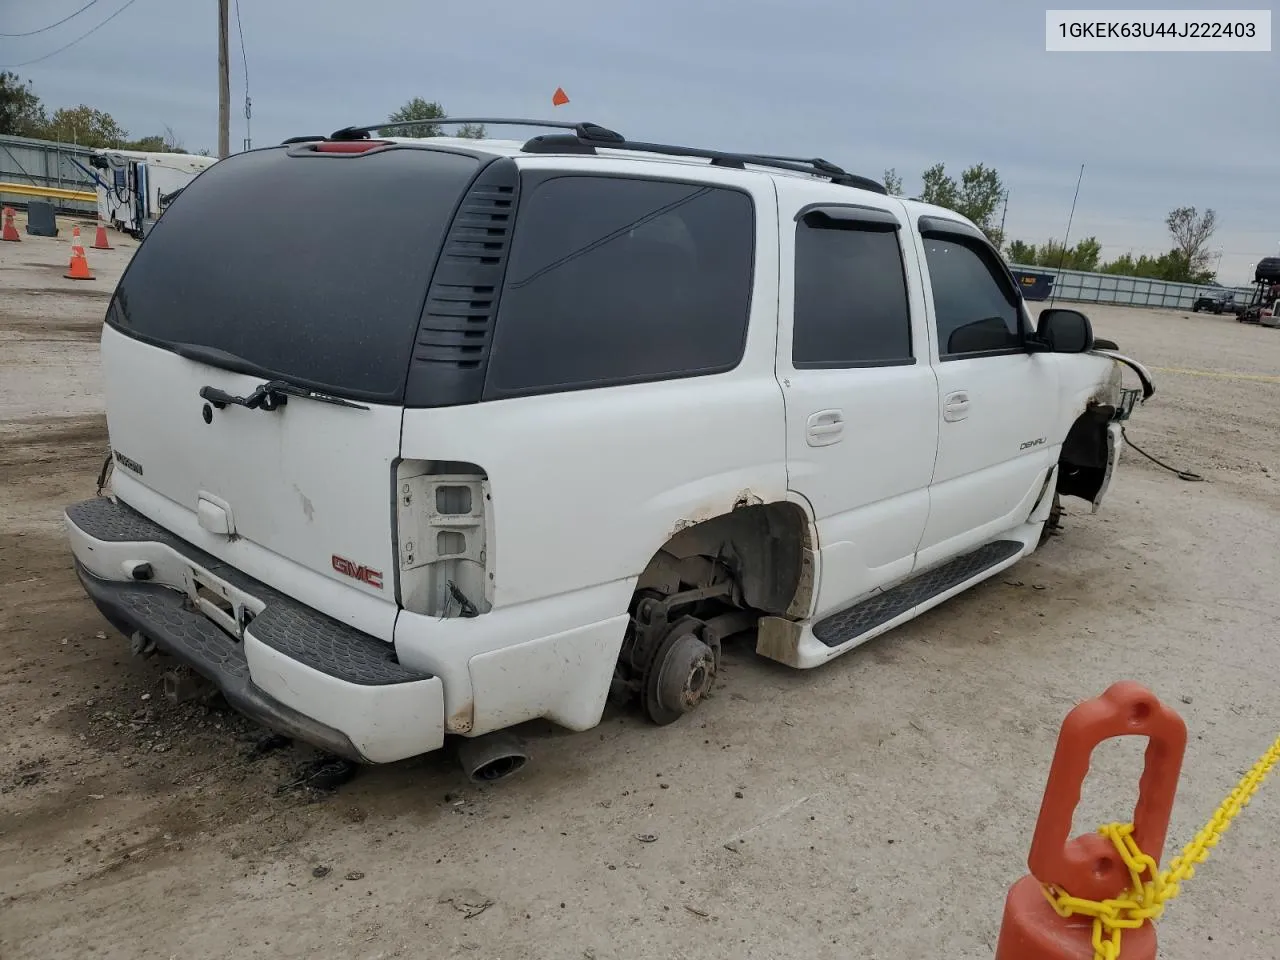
{"points": [[359, 572]]}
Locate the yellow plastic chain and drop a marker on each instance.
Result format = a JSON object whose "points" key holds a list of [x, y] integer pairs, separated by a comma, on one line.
{"points": [[1145, 899]]}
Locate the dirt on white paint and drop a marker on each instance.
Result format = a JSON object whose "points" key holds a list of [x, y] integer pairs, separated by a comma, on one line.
{"points": [[877, 807]]}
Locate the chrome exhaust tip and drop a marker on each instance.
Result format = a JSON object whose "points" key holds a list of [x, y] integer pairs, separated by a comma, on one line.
{"points": [[491, 757]]}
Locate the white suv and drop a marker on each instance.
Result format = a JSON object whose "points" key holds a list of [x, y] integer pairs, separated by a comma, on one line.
{"points": [[418, 438]]}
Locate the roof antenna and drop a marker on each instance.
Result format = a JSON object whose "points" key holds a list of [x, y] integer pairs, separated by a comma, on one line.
{"points": [[1071, 216]]}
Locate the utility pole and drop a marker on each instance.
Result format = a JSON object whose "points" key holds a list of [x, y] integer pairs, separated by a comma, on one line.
{"points": [[1003, 213], [224, 83]]}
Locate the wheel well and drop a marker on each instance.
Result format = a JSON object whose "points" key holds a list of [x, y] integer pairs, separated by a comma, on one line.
{"points": [[766, 549], [1083, 461], [711, 580]]}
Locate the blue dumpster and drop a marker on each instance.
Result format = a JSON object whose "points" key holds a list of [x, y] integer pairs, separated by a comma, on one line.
{"points": [[1034, 285]]}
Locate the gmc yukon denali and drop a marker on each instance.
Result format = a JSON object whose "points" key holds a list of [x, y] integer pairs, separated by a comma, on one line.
{"points": [[416, 439]]}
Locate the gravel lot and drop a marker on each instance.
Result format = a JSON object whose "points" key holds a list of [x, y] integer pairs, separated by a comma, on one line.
{"points": [[877, 807]]}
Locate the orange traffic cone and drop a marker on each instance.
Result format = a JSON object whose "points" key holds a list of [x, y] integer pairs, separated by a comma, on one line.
{"points": [[79, 266], [10, 231], [100, 241]]}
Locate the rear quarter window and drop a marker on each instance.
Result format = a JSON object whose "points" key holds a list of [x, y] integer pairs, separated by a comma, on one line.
{"points": [[616, 280]]}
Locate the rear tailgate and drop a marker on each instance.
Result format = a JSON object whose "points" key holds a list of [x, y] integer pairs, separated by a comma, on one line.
{"points": [[300, 269]]}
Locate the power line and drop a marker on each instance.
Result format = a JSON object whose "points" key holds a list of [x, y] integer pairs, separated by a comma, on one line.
{"points": [[248, 103], [82, 36], [245, 59], [32, 33]]}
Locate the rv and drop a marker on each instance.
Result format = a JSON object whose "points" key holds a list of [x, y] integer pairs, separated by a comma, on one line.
{"points": [[134, 187]]}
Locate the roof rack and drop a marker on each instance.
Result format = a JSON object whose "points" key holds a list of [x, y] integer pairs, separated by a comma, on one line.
{"points": [[585, 137], [718, 158], [592, 132]]}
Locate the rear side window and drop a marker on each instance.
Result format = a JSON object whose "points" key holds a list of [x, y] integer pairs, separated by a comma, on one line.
{"points": [[851, 295], [975, 312], [615, 280], [311, 268]]}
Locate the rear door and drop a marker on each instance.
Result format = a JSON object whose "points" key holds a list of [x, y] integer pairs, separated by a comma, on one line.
{"points": [[305, 270], [861, 397]]}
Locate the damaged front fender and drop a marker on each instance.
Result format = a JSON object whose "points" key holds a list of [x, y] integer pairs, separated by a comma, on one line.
{"points": [[1144, 375]]}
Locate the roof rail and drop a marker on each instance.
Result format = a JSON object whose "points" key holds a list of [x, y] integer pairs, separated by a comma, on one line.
{"points": [[590, 132], [584, 137], [828, 169], [718, 158]]}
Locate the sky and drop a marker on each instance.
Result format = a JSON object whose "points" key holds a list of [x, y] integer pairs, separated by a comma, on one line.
{"points": [[865, 85]]}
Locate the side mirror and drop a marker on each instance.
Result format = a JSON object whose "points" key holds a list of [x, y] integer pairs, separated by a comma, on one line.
{"points": [[1064, 331]]}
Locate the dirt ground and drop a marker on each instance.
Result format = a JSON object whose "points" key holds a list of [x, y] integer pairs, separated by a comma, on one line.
{"points": [[878, 807]]}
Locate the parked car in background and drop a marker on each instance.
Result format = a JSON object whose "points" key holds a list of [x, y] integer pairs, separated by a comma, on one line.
{"points": [[1216, 301]]}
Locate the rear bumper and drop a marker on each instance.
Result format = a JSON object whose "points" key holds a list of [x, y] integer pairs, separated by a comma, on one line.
{"points": [[281, 663]]}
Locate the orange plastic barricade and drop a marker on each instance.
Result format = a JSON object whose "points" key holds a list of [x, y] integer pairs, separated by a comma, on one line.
{"points": [[1088, 866]]}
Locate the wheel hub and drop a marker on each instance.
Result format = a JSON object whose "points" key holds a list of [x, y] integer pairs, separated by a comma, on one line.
{"points": [[683, 674]]}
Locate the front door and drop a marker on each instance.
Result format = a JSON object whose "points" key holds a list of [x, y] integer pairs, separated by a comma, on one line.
{"points": [[861, 397], [997, 402]]}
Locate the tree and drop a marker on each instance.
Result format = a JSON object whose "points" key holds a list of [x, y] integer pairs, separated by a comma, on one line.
{"points": [[418, 109], [939, 189], [1083, 256], [167, 142], [1191, 232], [1023, 253], [1168, 266], [893, 182], [85, 126], [977, 195], [1123, 265], [172, 142], [21, 113], [151, 144]]}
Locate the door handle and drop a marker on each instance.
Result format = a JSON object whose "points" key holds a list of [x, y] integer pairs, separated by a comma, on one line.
{"points": [[824, 427], [956, 406]]}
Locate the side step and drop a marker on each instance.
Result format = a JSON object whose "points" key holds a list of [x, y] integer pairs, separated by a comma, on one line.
{"points": [[839, 628]]}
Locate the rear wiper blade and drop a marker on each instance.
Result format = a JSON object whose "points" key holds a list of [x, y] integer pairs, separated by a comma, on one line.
{"points": [[217, 358], [272, 395], [267, 396]]}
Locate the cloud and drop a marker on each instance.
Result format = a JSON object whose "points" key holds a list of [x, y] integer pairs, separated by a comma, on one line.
{"points": [[867, 86]]}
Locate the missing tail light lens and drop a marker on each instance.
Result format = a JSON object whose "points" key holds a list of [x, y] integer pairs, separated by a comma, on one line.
{"points": [[442, 527]]}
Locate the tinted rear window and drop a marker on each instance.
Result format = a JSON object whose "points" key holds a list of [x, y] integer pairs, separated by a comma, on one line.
{"points": [[310, 268]]}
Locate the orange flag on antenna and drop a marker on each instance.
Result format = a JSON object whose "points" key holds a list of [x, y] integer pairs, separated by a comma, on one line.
{"points": [[559, 98]]}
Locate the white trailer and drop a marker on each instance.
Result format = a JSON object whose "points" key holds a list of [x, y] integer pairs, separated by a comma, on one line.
{"points": [[135, 186]]}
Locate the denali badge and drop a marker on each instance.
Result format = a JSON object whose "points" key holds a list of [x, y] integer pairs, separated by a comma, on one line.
{"points": [[1033, 443], [128, 464], [358, 572]]}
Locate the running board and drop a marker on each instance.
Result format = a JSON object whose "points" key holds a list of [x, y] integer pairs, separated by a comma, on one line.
{"points": [[839, 628]]}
